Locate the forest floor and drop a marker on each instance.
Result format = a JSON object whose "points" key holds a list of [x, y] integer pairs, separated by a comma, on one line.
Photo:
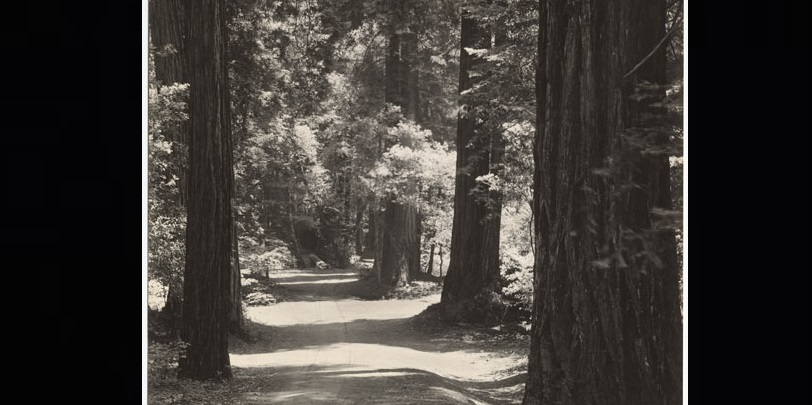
{"points": [[324, 345]]}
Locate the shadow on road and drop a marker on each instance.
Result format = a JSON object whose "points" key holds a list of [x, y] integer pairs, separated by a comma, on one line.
{"points": [[351, 386], [323, 285], [323, 345]]}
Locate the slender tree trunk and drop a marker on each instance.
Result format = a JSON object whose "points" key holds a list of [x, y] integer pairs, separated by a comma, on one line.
{"points": [[440, 252], [207, 282], [235, 317], [474, 257], [172, 308], [371, 237], [414, 253], [296, 246], [378, 263], [359, 229], [606, 322], [430, 265]]}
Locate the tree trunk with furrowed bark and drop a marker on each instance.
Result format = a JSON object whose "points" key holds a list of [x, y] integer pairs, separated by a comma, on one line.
{"points": [[208, 274], [606, 322], [474, 256]]}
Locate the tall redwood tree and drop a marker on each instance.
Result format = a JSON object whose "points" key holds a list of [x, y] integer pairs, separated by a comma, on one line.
{"points": [[208, 277], [606, 315], [474, 262]]}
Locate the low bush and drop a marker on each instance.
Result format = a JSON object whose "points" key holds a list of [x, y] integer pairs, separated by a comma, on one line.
{"points": [[275, 256]]}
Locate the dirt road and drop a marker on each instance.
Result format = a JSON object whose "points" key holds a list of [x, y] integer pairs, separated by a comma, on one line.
{"points": [[323, 346]]}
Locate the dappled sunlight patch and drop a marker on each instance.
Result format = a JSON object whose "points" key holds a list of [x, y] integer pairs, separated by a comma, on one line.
{"points": [[456, 396], [156, 295], [511, 391], [320, 281], [375, 374], [299, 273], [299, 396], [345, 310], [457, 365]]}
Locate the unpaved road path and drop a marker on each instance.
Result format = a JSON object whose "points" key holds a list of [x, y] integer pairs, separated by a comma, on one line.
{"points": [[323, 346]]}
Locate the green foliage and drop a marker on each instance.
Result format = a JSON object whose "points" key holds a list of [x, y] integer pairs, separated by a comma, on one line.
{"points": [[414, 290], [413, 166], [164, 386], [278, 54], [420, 171], [438, 219], [166, 219], [275, 256], [260, 290], [517, 255], [162, 360], [652, 141], [362, 171], [488, 308], [519, 279], [674, 48], [503, 100]]}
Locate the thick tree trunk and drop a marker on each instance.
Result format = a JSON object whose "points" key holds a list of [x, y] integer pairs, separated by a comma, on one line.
{"points": [[606, 323], [474, 261], [207, 282], [398, 233]]}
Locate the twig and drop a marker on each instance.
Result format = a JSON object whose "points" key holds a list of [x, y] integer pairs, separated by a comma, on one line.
{"points": [[676, 15], [662, 41]]}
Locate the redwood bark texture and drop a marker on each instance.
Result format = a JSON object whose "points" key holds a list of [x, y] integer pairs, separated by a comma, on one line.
{"points": [[609, 333], [474, 262], [168, 26], [208, 273], [399, 240]]}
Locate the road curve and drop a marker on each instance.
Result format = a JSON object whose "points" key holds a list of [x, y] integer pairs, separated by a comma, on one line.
{"points": [[325, 347]]}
